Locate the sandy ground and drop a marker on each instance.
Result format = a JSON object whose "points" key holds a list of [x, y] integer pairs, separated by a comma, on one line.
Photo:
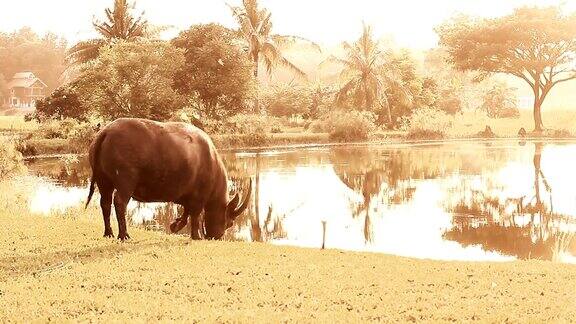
{"points": [[61, 269]]}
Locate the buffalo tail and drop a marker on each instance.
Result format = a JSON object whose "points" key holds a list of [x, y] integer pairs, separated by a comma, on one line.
{"points": [[96, 156]]}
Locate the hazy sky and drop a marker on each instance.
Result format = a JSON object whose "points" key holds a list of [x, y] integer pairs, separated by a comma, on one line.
{"points": [[409, 22]]}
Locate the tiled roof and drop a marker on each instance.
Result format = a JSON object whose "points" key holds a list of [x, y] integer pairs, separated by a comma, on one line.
{"points": [[24, 80]]}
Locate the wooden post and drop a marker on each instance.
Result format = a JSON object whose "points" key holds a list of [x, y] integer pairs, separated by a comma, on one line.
{"points": [[323, 234]]}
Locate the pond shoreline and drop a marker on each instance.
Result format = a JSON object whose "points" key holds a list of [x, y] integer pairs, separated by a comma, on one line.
{"points": [[391, 142]]}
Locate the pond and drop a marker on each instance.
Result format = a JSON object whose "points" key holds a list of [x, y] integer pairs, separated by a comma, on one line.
{"points": [[475, 201]]}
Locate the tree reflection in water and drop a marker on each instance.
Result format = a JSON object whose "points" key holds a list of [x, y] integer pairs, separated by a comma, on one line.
{"points": [[377, 176], [377, 185], [525, 227]]}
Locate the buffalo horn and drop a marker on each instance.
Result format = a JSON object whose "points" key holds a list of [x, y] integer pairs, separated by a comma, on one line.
{"points": [[235, 212]]}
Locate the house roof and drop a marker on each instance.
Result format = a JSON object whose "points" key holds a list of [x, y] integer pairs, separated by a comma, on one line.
{"points": [[24, 80]]}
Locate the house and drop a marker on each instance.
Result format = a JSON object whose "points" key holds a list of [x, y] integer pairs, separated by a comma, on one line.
{"points": [[24, 90]]}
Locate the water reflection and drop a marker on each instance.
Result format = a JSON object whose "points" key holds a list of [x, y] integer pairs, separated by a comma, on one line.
{"points": [[454, 201], [526, 227]]}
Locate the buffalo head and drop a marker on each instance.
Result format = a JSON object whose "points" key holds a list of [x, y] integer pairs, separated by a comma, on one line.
{"points": [[219, 218]]}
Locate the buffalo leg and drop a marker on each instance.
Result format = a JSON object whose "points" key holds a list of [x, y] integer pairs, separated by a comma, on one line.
{"points": [[121, 199], [106, 206], [180, 222], [195, 223]]}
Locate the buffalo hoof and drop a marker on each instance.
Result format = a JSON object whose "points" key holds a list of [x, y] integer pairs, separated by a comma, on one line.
{"points": [[108, 234], [123, 237]]}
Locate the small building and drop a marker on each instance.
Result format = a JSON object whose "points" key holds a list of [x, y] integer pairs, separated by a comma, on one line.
{"points": [[24, 90]]}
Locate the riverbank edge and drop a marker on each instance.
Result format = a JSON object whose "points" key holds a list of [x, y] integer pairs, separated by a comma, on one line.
{"points": [[394, 141]]}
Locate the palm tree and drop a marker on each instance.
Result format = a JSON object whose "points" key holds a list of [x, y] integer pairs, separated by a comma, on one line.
{"points": [[120, 24], [368, 72], [263, 46]]}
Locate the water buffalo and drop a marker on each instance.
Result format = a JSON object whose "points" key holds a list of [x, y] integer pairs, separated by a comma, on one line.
{"points": [[162, 162]]}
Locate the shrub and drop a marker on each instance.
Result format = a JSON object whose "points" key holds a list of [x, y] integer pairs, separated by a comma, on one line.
{"points": [[346, 126], [43, 146], [428, 123], [500, 102], [11, 161], [252, 124], [287, 100], [81, 137], [64, 102]]}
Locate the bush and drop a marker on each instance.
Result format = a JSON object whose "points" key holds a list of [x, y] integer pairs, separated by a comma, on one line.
{"points": [[81, 137], [53, 128], [500, 102], [11, 161], [241, 140], [253, 124], [428, 123], [57, 137], [346, 126], [43, 146], [287, 100], [64, 102]]}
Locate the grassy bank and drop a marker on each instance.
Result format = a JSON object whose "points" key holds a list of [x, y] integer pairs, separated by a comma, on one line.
{"points": [[59, 268], [460, 126]]}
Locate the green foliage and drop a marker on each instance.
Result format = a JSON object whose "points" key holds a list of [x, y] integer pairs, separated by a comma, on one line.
{"points": [[216, 72], [81, 137], [54, 128], [287, 100], [428, 124], [24, 50], [11, 162], [64, 102], [252, 124], [133, 79], [346, 125], [500, 102], [119, 24], [54, 136]]}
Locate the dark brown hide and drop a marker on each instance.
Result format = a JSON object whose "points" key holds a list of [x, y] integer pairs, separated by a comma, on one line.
{"points": [[162, 162]]}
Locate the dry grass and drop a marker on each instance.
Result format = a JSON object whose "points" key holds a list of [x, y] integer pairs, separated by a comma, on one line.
{"points": [[59, 268], [16, 123], [470, 123]]}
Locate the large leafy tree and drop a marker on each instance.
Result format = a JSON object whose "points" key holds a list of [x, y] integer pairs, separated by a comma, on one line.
{"points": [[537, 45], [368, 73], [216, 71], [119, 24], [133, 79]]}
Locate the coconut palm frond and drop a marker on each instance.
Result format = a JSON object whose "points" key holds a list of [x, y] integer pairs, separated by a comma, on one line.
{"points": [[84, 51], [272, 53], [334, 60], [119, 24], [286, 40], [256, 27]]}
